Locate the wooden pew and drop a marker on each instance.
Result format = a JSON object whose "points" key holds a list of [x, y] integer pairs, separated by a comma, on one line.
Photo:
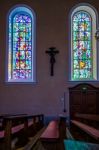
{"points": [[94, 133], [50, 137], [89, 119], [89, 123], [18, 125], [92, 117]]}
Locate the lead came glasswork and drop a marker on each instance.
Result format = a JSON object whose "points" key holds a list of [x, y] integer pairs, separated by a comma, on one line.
{"points": [[82, 47], [20, 34]]}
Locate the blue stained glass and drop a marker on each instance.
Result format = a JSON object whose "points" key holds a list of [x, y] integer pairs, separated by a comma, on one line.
{"points": [[20, 29]]}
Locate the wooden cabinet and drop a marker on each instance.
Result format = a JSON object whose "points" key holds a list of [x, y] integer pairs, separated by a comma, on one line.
{"points": [[83, 98]]}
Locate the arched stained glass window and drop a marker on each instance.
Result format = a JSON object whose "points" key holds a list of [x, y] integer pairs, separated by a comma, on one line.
{"points": [[21, 65], [83, 44]]}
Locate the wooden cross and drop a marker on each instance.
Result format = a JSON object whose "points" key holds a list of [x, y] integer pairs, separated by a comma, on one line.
{"points": [[52, 52]]}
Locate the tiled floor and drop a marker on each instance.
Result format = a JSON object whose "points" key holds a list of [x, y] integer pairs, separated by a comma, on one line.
{"points": [[78, 145]]}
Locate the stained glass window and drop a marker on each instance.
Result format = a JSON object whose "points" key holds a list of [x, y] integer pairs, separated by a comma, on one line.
{"points": [[20, 56], [83, 53], [82, 48]]}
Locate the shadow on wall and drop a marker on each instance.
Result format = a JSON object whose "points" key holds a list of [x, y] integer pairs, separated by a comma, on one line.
{"points": [[47, 119]]}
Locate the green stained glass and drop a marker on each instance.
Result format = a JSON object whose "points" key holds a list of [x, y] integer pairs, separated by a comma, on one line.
{"points": [[82, 47]]}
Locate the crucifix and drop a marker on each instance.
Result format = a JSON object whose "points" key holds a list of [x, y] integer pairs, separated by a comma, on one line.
{"points": [[52, 52]]}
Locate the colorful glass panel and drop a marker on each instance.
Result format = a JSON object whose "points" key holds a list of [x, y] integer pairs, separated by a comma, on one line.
{"points": [[82, 46], [20, 47]]}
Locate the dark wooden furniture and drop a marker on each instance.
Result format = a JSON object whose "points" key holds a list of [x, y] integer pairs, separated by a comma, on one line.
{"points": [[89, 117], [18, 127], [84, 111], [62, 126], [88, 129], [89, 123], [83, 98], [50, 137]]}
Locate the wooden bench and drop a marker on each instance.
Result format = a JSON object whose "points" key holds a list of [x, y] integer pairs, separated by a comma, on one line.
{"points": [[50, 137], [89, 119], [92, 117], [17, 126], [88, 129]]}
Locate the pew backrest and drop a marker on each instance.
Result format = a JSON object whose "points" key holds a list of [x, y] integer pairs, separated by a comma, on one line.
{"points": [[91, 117]]}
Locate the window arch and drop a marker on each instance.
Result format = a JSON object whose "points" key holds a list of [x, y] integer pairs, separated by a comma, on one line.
{"points": [[83, 43], [21, 45]]}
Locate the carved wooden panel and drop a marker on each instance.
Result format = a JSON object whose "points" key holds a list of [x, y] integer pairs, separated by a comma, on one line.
{"points": [[83, 99]]}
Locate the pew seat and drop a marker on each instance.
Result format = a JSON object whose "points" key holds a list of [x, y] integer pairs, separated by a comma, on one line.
{"points": [[50, 136], [51, 133], [88, 129]]}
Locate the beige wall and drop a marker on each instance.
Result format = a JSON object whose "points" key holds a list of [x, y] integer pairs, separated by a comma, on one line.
{"points": [[52, 24]]}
